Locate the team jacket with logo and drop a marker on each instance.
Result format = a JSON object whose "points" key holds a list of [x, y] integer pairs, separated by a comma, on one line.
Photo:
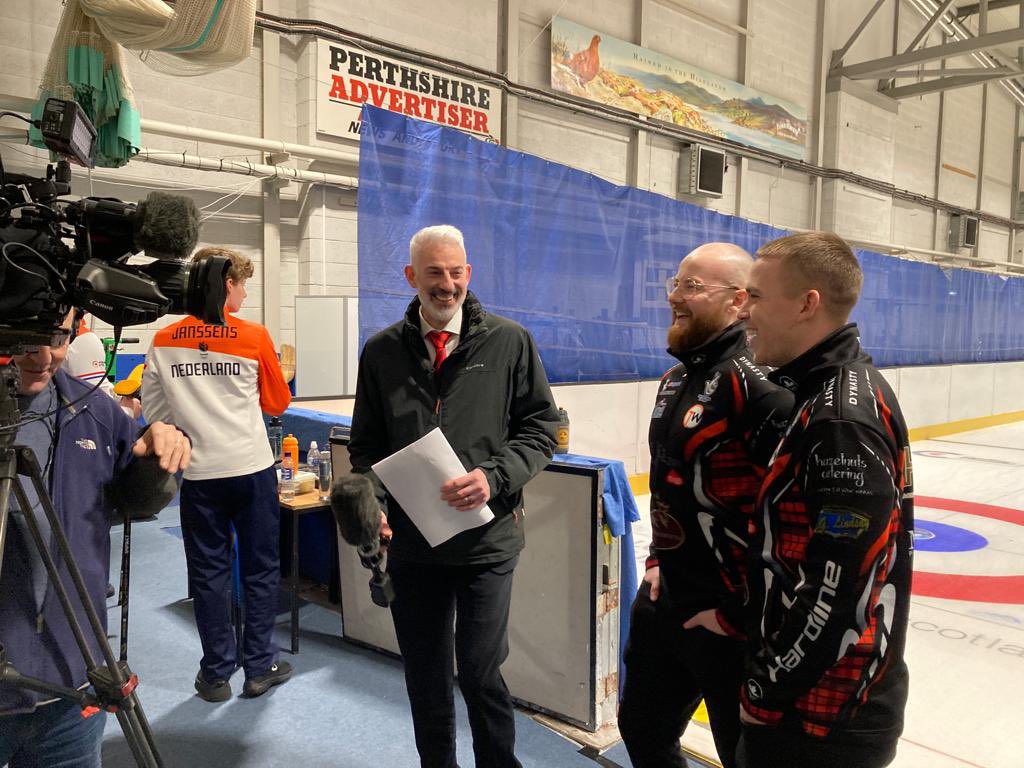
{"points": [[213, 382], [830, 580], [715, 423]]}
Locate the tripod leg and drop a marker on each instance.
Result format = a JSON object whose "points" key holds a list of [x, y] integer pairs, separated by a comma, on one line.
{"points": [[126, 566], [6, 478], [131, 738], [133, 721], [54, 575], [146, 752]]}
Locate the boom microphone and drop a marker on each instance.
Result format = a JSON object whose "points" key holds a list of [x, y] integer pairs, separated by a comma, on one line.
{"points": [[356, 511], [357, 515], [167, 226]]}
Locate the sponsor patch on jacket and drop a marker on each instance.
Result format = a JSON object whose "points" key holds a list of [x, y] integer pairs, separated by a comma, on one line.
{"points": [[670, 384], [693, 416], [841, 523], [709, 388]]}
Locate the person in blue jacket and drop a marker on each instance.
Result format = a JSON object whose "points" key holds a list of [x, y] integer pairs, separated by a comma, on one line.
{"points": [[92, 456]]}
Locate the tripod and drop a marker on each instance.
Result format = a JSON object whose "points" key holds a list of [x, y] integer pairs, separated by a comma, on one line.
{"points": [[113, 683]]}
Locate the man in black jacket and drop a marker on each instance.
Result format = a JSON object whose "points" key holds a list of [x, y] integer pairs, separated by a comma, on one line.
{"points": [[478, 377], [715, 423], [826, 683]]}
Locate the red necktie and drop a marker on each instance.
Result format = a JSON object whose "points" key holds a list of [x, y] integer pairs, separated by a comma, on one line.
{"points": [[439, 339]]}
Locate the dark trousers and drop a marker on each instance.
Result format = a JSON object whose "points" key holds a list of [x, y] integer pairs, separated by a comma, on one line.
{"points": [[765, 747], [441, 611], [668, 671], [208, 509], [53, 736]]}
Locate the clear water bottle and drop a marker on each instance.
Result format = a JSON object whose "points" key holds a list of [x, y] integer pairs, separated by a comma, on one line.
{"points": [[324, 478], [275, 433], [288, 482], [313, 459]]}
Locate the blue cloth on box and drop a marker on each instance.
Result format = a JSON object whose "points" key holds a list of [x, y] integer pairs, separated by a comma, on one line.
{"points": [[619, 504], [620, 511]]}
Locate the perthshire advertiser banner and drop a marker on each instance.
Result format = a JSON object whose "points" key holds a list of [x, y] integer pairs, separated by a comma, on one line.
{"points": [[610, 71], [349, 77]]}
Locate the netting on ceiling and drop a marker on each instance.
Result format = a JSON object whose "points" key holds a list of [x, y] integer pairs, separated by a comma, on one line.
{"points": [[87, 61]]}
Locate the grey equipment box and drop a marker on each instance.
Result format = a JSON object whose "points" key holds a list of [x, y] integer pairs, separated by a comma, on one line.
{"points": [[564, 626]]}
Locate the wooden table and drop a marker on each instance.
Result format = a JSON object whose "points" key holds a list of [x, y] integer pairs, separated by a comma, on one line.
{"points": [[303, 503]]}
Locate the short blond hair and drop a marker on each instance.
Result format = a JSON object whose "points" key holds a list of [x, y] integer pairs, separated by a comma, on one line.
{"points": [[241, 265], [821, 261]]}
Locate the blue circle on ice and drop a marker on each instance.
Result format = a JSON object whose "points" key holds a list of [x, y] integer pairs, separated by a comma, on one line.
{"points": [[940, 537]]}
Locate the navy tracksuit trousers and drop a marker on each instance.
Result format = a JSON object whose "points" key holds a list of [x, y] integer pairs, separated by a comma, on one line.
{"points": [[208, 509]]}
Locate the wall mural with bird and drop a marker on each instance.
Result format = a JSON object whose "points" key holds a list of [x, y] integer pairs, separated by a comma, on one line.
{"points": [[598, 67]]}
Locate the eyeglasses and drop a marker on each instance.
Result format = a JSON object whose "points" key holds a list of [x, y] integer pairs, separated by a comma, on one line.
{"points": [[690, 287]]}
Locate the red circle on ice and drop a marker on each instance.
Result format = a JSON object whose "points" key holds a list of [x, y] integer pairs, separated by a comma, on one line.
{"points": [[976, 589]]}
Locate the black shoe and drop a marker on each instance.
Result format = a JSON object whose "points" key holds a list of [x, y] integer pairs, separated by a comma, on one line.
{"points": [[218, 690], [278, 673]]}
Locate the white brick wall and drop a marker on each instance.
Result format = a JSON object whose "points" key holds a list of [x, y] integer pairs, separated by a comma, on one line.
{"points": [[913, 225], [685, 37]]}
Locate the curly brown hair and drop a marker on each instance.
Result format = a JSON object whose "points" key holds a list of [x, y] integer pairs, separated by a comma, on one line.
{"points": [[241, 265]]}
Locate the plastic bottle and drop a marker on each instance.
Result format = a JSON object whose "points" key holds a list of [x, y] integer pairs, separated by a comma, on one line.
{"points": [[313, 461], [275, 433], [563, 432], [324, 476], [287, 486], [290, 448]]}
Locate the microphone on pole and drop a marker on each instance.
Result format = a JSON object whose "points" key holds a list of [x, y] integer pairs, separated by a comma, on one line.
{"points": [[357, 515]]}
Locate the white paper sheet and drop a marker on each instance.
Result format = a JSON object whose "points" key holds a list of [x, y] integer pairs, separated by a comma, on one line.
{"points": [[414, 476]]}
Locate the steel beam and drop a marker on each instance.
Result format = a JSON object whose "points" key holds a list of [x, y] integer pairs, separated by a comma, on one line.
{"points": [[743, 178], [945, 84], [508, 63], [936, 72], [878, 67], [965, 11], [930, 25], [821, 76], [707, 18]]}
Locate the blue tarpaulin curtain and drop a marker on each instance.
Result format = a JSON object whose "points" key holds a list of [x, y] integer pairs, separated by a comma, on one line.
{"points": [[582, 262]]}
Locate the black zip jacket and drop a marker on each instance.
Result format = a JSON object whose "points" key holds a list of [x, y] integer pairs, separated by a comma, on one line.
{"points": [[830, 579], [715, 424], [492, 401]]}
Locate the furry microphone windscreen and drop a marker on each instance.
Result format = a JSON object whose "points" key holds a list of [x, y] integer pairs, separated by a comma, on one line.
{"points": [[167, 226]]}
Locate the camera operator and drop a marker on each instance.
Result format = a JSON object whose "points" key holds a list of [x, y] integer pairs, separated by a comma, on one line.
{"points": [[92, 455]]}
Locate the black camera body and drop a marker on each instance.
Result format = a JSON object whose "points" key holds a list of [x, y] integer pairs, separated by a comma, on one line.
{"points": [[56, 254]]}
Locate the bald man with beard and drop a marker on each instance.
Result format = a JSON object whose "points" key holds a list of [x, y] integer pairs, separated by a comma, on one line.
{"points": [[715, 424]]}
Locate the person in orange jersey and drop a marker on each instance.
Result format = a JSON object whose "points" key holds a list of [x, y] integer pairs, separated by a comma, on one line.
{"points": [[214, 381]]}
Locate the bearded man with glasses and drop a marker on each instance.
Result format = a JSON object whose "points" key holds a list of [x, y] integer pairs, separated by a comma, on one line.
{"points": [[715, 424]]}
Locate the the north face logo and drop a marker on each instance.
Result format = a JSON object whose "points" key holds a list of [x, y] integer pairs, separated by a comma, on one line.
{"points": [[86, 444]]}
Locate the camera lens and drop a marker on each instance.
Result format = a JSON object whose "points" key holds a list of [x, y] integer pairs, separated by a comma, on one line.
{"points": [[194, 288]]}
